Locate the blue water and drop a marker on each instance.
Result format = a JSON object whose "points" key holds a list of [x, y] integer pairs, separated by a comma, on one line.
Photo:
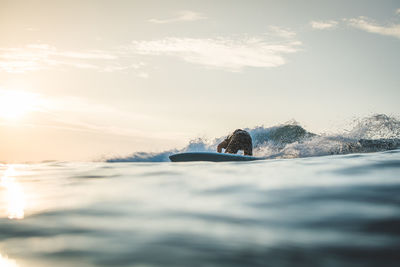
{"points": [[335, 210]]}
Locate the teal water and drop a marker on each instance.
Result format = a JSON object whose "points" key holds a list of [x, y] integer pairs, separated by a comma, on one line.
{"points": [[340, 210]]}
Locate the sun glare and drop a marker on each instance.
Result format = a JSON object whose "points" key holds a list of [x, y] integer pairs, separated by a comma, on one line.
{"points": [[14, 195], [15, 104], [6, 262]]}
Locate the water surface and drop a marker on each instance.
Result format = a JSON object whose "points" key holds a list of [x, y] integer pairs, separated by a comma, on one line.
{"points": [[341, 210]]}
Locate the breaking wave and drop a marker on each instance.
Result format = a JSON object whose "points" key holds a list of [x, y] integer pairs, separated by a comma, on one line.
{"points": [[290, 140]]}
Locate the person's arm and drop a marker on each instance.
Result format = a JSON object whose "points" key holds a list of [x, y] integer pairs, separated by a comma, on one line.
{"points": [[222, 145], [248, 151]]}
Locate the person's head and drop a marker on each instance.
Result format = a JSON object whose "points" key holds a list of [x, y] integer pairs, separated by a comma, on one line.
{"points": [[237, 130]]}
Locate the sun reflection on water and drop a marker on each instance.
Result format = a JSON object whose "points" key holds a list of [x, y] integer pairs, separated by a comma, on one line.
{"points": [[14, 196], [6, 262]]}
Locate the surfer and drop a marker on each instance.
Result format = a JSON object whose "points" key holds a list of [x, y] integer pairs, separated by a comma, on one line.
{"points": [[238, 140]]}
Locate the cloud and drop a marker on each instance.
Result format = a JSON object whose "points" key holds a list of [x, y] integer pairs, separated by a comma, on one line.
{"points": [[282, 32], [226, 53], [185, 15], [143, 75], [33, 57], [366, 24], [398, 11], [324, 25], [82, 115], [73, 113], [19, 66]]}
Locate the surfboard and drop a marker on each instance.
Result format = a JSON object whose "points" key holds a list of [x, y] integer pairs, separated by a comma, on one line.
{"points": [[210, 156]]}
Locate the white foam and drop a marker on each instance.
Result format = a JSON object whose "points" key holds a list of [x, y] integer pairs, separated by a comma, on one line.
{"points": [[290, 140]]}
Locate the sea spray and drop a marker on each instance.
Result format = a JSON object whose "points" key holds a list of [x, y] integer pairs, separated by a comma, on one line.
{"points": [[377, 126], [378, 132]]}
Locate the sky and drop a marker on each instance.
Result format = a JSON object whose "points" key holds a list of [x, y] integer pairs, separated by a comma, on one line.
{"points": [[85, 80]]}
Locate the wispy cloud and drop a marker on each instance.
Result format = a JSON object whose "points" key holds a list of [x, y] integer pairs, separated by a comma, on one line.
{"points": [[185, 15], [365, 24], [229, 53], [324, 25], [398, 11], [226, 53], [282, 32], [73, 113], [83, 115], [33, 57]]}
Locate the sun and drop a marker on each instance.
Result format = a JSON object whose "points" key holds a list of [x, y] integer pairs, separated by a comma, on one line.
{"points": [[15, 104]]}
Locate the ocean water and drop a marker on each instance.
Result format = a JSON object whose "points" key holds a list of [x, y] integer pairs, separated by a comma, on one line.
{"points": [[329, 199], [333, 210]]}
